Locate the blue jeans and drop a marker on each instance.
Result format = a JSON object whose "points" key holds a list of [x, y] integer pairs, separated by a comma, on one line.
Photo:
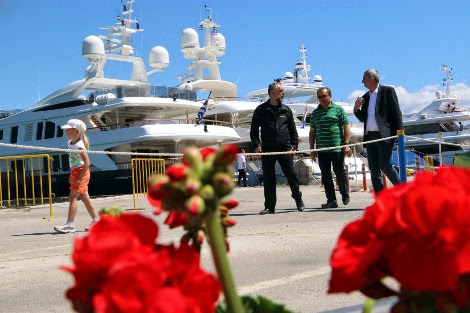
{"points": [[378, 156]]}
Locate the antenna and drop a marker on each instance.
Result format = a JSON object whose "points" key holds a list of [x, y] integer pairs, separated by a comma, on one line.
{"points": [[38, 85]]}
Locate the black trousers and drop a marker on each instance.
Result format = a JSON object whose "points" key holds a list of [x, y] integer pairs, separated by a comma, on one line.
{"points": [[242, 175], [325, 161], [287, 166]]}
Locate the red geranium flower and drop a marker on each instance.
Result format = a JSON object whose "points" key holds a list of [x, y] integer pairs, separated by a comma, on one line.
{"points": [[417, 233]]}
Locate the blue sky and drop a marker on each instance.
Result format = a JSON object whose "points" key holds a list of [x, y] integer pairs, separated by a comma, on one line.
{"points": [[406, 40]]}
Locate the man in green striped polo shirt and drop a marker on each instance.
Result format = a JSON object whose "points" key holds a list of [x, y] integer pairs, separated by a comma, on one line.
{"points": [[329, 128]]}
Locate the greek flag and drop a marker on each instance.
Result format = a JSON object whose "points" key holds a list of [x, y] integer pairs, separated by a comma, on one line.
{"points": [[304, 119], [202, 111]]}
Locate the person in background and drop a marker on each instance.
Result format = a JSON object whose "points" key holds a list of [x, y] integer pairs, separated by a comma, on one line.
{"points": [[79, 175], [329, 127], [241, 166], [278, 134], [380, 112]]}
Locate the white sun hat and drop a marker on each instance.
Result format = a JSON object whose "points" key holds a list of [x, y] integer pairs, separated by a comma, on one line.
{"points": [[74, 123]]}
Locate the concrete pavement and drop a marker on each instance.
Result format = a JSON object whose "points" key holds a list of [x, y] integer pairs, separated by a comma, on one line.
{"points": [[283, 256]]}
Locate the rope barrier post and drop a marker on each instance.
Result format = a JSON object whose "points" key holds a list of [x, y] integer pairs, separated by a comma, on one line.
{"points": [[418, 166], [401, 155], [364, 178]]}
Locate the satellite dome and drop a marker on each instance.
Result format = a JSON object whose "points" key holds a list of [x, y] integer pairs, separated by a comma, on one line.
{"points": [[288, 75], [189, 38], [159, 58], [218, 40], [317, 79], [92, 47]]}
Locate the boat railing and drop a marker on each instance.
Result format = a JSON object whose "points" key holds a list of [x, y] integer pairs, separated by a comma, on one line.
{"points": [[161, 121]]}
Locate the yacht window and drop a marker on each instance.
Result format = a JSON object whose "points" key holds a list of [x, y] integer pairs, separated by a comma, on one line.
{"points": [[50, 129], [39, 131], [14, 134], [55, 163], [28, 135], [60, 132], [65, 162], [1, 134]]}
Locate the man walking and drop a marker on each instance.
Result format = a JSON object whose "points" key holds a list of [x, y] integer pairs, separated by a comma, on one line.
{"points": [[380, 112], [329, 127], [278, 134]]}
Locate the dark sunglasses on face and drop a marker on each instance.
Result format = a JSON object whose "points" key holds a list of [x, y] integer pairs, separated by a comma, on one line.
{"points": [[323, 96]]}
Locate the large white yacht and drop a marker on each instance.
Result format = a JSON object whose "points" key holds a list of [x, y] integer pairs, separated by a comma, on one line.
{"points": [[301, 96], [205, 78], [442, 120], [122, 115]]}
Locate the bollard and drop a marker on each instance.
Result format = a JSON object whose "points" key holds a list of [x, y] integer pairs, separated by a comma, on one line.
{"points": [[384, 178], [417, 164], [401, 155], [364, 181]]}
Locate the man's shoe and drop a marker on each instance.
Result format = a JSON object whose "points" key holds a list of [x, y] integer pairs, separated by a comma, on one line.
{"points": [[300, 204], [266, 211], [330, 205], [346, 200]]}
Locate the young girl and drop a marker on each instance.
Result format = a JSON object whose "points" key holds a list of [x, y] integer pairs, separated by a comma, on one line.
{"points": [[79, 175]]}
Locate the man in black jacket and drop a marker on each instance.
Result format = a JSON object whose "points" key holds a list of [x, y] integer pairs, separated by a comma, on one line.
{"points": [[278, 134], [379, 110]]}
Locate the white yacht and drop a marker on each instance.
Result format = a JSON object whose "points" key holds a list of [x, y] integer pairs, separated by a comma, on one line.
{"points": [[205, 78], [301, 96], [442, 120], [121, 114]]}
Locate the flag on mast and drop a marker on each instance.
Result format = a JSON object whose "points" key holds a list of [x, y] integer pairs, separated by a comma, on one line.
{"points": [[202, 111], [304, 119]]}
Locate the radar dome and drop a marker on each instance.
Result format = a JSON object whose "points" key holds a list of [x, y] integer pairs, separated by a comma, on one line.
{"points": [[92, 47], [288, 75], [218, 40], [317, 79], [189, 38], [159, 58]]}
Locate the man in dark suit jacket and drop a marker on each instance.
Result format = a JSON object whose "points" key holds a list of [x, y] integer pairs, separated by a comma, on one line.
{"points": [[380, 112]]}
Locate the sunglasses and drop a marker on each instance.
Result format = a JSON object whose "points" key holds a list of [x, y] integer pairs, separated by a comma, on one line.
{"points": [[323, 96]]}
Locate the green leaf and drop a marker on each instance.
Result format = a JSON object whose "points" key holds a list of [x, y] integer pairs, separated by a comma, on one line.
{"points": [[257, 304]]}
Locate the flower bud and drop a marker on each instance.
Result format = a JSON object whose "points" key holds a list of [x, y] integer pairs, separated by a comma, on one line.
{"points": [[192, 185], [229, 203], [207, 151], [114, 211], [195, 205], [226, 155], [207, 192], [223, 184], [192, 157], [228, 221], [177, 172]]}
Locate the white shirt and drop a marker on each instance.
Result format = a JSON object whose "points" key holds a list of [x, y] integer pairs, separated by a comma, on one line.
{"points": [[241, 162], [371, 122], [75, 160]]}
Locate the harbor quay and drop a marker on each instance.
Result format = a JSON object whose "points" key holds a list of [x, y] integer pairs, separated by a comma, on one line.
{"points": [[282, 256]]}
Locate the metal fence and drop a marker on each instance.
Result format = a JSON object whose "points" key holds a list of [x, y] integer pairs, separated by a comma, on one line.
{"points": [[26, 180], [142, 169]]}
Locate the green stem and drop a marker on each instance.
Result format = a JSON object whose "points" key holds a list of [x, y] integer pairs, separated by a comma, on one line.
{"points": [[219, 255], [368, 305]]}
